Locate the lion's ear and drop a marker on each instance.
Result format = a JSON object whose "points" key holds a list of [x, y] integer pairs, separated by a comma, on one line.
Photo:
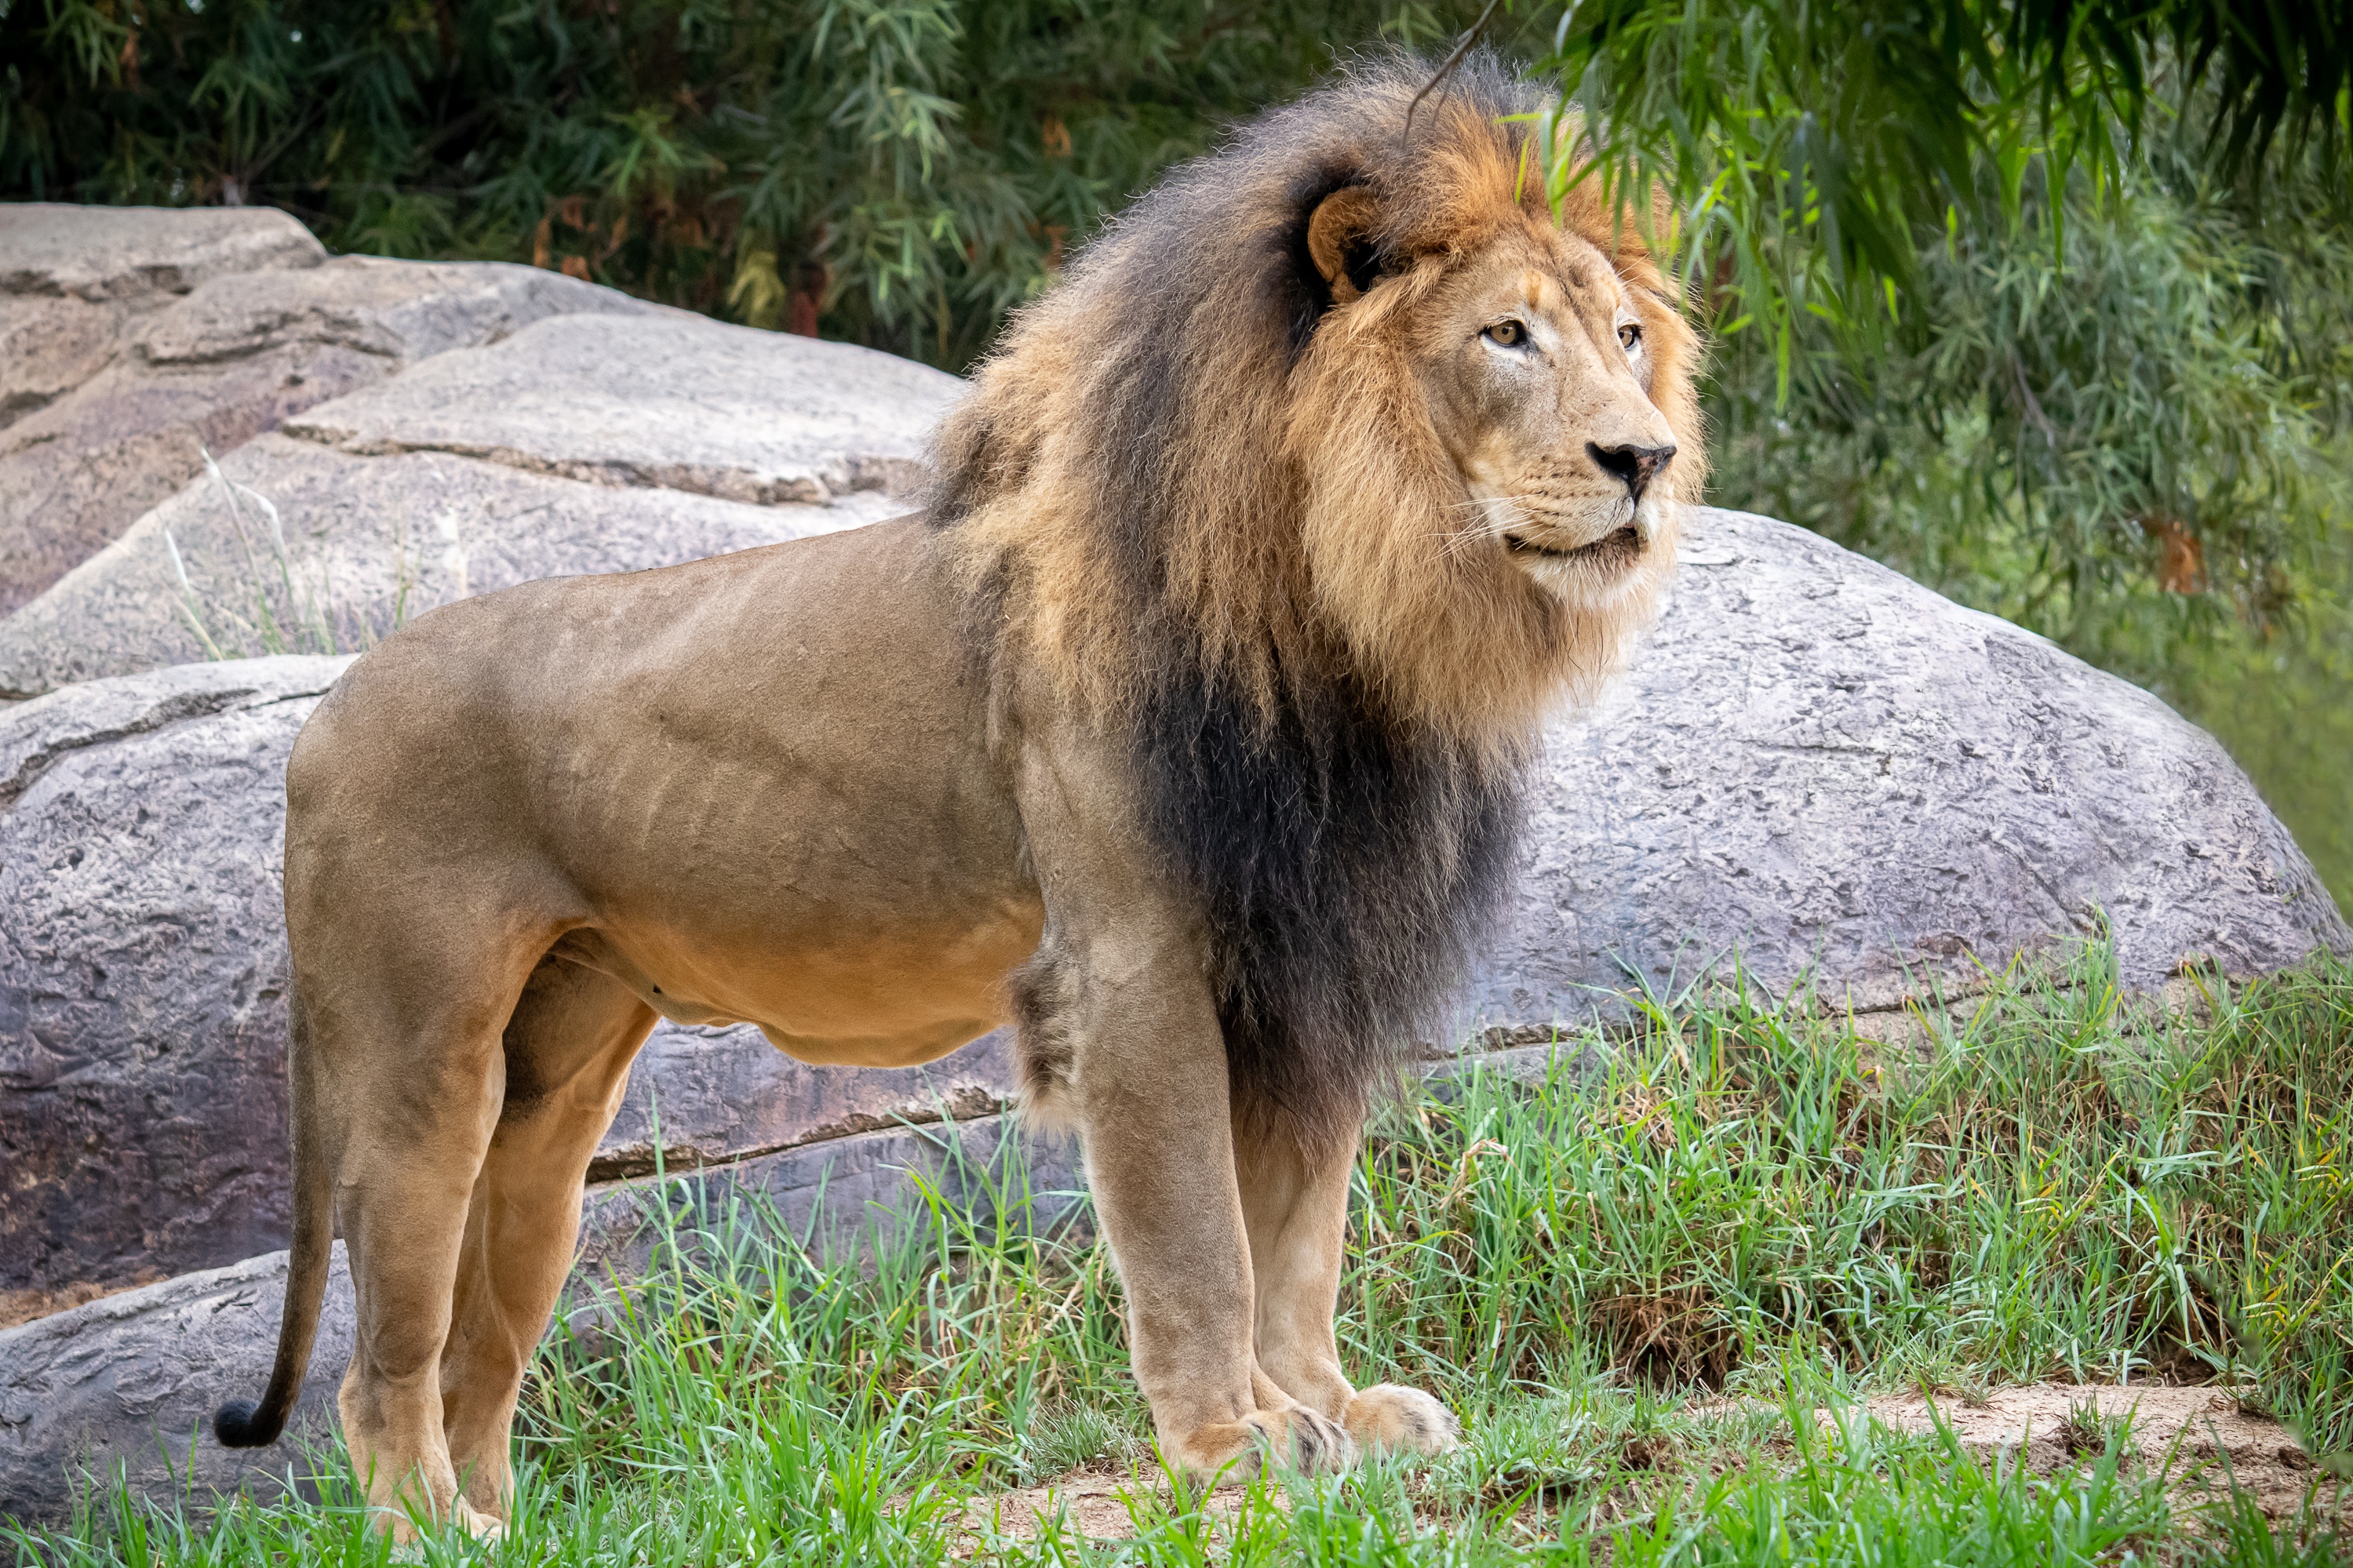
{"points": [[1339, 240]]}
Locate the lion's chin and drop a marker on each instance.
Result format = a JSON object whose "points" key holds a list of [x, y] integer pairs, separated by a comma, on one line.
{"points": [[1547, 553], [1619, 549]]}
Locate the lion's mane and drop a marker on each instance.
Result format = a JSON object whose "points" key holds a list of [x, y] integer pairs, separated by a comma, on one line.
{"points": [[1224, 549]]}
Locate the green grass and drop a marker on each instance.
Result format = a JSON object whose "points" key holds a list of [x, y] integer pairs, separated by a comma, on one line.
{"points": [[2049, 1183]]}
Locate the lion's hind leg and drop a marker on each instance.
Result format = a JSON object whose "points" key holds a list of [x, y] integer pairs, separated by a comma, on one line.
{"points": [[1295, 1204], [406, 1022], [567, 1049]]}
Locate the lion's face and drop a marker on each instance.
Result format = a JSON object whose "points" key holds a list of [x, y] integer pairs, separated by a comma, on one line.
{"points": [[1492, 436], [1536, 359]]}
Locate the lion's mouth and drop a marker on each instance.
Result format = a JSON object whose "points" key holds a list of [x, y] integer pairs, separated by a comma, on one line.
{"points": [[1622, 548]]}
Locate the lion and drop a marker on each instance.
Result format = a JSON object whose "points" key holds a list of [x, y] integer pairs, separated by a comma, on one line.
{"points": [[1185, 729]]}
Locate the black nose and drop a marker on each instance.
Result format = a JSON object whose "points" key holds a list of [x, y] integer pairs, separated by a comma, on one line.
{"points": [[1638, 466]]}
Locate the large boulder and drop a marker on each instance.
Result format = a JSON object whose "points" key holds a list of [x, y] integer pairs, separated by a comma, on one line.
{"points": [[1822, 771], [127, 1385], [579, 444], [142, 975], [138, 338], [1817, 765]]}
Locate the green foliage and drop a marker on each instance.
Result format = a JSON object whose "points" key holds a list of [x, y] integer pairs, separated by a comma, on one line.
{"points": [[2041, 1182], [2067, 403], [898, 172], [2279, 702], [1822, 139]]}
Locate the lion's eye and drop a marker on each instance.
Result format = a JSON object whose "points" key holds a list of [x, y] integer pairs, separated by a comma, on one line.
{"points": [[1507, 334], [1630, 337]]}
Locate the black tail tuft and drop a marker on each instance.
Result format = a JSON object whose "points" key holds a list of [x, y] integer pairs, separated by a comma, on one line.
{"points": [[235, 1425]]}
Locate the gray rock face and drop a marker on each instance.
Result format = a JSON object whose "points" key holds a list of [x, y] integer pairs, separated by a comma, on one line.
{"points": [[371, 541], [1828, 768], [72, 278], [97, 254], [143, 973], [142, 970], [576, 444], [130, 1382], [683, 403], [715, 1095], [112, 403]]}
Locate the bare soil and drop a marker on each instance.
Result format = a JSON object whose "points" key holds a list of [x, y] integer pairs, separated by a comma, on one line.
{"points": [[2205, 1441], [2203, 1438]]}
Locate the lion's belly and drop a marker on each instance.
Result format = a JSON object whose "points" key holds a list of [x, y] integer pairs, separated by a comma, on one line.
{"points": [[893, 992]]}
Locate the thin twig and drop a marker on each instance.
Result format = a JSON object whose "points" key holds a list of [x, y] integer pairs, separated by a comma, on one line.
{"points": [[1470, 36]]}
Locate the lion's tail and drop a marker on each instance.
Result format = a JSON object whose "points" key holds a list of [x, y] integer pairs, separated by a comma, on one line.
{"points": [[241, 1423]]}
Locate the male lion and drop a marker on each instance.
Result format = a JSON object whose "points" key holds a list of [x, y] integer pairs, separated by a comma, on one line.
{"points": [[1185, 729]]}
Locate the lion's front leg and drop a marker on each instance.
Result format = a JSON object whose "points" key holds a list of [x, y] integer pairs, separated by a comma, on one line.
{"points": [[1295, 1204], [1143, 1071]]}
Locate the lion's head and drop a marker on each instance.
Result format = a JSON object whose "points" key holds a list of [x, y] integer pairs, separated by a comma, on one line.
{"points": [[1332, 465], [1340, 399]]}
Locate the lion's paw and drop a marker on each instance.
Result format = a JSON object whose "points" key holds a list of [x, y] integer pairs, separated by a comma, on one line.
{"points": [[1297, 1438], [1387, 1417], [409, 1541]]}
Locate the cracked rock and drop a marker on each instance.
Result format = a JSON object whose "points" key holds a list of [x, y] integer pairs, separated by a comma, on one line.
{"points": [[143, 971], [107, 403], [101, 253], [370, 542], [579, 444]]}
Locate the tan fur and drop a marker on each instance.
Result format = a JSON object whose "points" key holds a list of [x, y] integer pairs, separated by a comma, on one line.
{"points": [[779, 787]]}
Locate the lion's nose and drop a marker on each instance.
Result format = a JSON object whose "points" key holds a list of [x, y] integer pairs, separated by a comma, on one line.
{"points": [[1638, 466]]}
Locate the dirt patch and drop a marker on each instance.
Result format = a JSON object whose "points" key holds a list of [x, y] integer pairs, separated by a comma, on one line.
{"points": [[2203, 1436], [1094, 1506]]}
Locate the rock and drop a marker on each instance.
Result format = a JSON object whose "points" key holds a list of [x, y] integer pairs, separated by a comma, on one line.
{"points": [[100, 253], [115, 404], [143, 971], [1834, 773], [389, 537], [130, 1382], [49, 347], [716, 1095], [72, 277], [685, 405], [577, 445], [839, 1194], [143, 1102]]}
